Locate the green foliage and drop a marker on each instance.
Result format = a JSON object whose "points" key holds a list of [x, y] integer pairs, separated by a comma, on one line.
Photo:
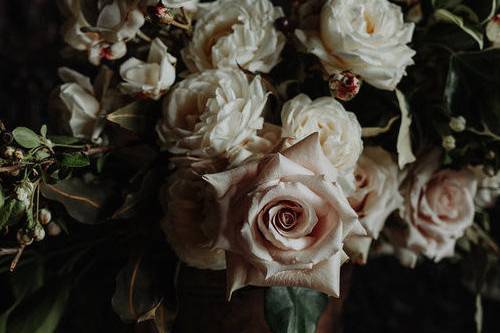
{"points": [[136, 295], [26, 137], [74, 160], [84, 201], [294, 310]]}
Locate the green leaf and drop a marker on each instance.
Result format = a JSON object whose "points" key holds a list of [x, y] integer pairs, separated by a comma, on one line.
{"points": [[471, 29], [2, 197], [136, 117], [63, 140], [84, 201], [26, 137], [293, 310], [11, 212], [43, 130], [74, 160], [42, 311], [471, 88], [136, 293]]}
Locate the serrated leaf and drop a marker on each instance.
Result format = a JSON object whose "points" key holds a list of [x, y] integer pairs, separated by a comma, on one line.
{"points": [[26, 137], [293, 310], [136, 293], [136, 117], [74, 160], [473, 31], [84, 201]]}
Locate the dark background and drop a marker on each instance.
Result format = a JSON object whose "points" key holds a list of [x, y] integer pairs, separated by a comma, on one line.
{"points": [[384, 297]]}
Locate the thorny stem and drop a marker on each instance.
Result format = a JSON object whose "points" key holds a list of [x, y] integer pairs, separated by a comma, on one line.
{"points": [[89, 150]]}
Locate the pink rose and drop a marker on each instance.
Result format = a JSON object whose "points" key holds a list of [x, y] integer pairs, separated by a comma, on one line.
{"points": [[282, 220], [439, 206], [375, 198]]}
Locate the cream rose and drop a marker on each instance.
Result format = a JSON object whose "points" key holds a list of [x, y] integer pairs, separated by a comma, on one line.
{"points": [[234, 33], [116, 23], [282, 220], [80, 111], [214, 113], [185, 197], [339, 131], [367, 37], [152, 78], [439, 206], [375, 198]]}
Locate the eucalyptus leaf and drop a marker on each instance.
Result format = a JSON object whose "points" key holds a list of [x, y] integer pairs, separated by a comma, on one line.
{"points": [[136, 295], [84, 201], [26, 137], [74, 160], [293, 310]]}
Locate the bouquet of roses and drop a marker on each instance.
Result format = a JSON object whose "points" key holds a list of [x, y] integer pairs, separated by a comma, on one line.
{"points": [[275, 140]]}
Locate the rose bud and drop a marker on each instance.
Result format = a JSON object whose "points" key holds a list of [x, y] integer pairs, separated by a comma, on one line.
{"points": [[18, 154], [8, 152], [344, 85]]}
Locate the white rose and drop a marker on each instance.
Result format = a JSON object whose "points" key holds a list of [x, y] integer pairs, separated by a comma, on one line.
{"points": [[493, 30], [367, 37], [152, 78], [212, 113], [339, 130], [438, 207], [234, 33], [80, 114], [116, 23], [375, 198], [488, 189], [185, 198]]}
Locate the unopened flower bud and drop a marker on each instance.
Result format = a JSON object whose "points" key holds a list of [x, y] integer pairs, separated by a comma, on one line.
{"points": [[44, 216], [457, 124], [161, 14], [344, 85], [23, 238], [8, 152], [448, 142], [490, 155], [53, 229], [38, 233], [24, 191], [18, 154], [493, 30]]}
